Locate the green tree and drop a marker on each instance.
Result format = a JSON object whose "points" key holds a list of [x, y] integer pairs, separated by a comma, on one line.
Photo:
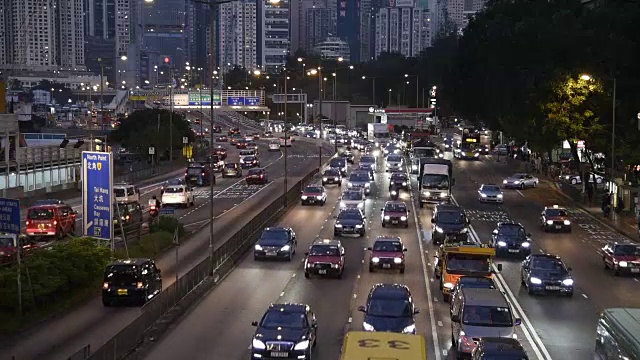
{"points": [[151, 127]]}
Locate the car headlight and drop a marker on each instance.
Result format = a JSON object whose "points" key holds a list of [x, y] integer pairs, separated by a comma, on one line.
{"points": [[303, 197], [448, 285], [360, 205], [567, 282], [500, 196], [342, 204], [443, 194], [350, 184], [336, 179], [464, 230], [285, 248], [387, 217], [502, 243], [414, 167], [335, 266], [403, 218], [338, 225], [367, 327], [439, 229], [504, 181], [319, 197], [367, 185], [623, 264], [427, 193], [324, 179], [258, 247], [526, 244], [393, 192], [535, 280], [257, 344], [483, 195], [404, 183], [549, 222], [375, 260], [567, 222], [516, 182], [411, 329], [397, 260], [302, 345], [441, 155], [358, 226], [476, 154]]}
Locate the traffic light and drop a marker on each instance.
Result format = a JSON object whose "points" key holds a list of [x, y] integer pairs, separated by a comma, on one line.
{"points": [[167, 60]]}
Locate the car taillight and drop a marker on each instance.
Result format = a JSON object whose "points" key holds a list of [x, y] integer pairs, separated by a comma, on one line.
{"points": [[139, 285], [128, 217], [261, 175], [202, 174], [27, 222], [105, 285], [55, 222]]}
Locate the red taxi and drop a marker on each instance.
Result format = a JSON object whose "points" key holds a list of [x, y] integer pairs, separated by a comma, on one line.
{"points": [[8, 252], [325, 258], [387, 253], [555, 218], [622, 257], [257, 176], [52, 220]]}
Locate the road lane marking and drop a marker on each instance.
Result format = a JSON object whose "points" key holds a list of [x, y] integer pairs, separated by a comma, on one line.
{"points": [[440, 323], [585, 296], [282, 294], [520, 192]]}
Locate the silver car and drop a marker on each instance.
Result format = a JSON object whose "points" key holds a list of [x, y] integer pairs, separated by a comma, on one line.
{"points": [[360, 180], [490, 193], [370, 160], [394, 163], [520, 181], [577, 179], [353, 199]]}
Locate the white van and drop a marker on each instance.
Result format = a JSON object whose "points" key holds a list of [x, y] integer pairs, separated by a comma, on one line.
{"points": [[125, 193]]}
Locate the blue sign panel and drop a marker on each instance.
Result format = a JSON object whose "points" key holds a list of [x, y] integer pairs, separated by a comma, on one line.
{"points": [[168, 211], [235, 100], [10, 216], [97, 195], [252, 101]]}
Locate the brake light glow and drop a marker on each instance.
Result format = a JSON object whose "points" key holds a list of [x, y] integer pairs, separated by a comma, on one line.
{"points": [[27, 222], [55, 222], [105, 285], [128, 217]]}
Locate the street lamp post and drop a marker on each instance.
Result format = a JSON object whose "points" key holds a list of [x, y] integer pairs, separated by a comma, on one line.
{"points": [[417, 83], [333, 107], [171, 113], [373, 91], [286, 141], [389, 97], [101, 94]]}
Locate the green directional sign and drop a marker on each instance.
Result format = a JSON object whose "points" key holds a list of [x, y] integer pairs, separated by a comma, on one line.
{"points": [[195, 98]]}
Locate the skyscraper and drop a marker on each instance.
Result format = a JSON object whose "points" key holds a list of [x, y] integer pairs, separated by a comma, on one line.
{"points": [[402, 29], [349, 25], [274, 43], [238, 34], [320, 24]]}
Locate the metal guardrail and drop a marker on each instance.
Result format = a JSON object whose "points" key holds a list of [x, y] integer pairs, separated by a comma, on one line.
{"points": [[225, 257], [148, 172]]}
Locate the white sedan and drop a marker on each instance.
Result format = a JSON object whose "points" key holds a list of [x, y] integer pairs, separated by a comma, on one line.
{"points": [[577, 179], [178, 195], [520, 181], [274, 146]]}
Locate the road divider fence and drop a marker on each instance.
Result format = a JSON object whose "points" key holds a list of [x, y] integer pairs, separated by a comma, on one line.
{"points": [[149, 325]]}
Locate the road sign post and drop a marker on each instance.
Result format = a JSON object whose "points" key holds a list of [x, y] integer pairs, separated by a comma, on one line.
{"points": [[10, 216], [97, 195]]}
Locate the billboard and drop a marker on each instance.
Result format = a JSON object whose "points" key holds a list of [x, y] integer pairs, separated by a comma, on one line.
{"points": [[194, 98], [97, 195], [402, 3]]}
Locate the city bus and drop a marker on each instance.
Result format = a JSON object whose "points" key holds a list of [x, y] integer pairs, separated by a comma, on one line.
{"points": [[362, 345]]}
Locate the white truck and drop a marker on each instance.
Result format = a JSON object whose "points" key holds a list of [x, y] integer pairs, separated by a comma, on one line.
{"points": [[379, 133], [435, 183]]}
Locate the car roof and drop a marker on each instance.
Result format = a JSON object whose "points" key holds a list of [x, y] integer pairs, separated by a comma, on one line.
{"points": [[509, 223], [392, 202], [558, 207], [277, 228], [388, 238], [330, 242], [122, 185], [448, 207], [390, 291], [350, 210], [502, 344], [289, 307], [133, 261], [49, 202], [483, 297], [546, 256], [483, 185]]}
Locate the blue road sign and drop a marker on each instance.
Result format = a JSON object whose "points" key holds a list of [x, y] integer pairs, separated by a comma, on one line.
{"points": [[235, 100], [97, 195], [10, 216], [252, 101], [167, 211]]}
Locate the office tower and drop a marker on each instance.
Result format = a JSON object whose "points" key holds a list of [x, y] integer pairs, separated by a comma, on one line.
{"points": [[70, 34], [402, 29], [237, 34], [100, 18], [366, 25], [349, 25], [274, 42], [320, 25]]}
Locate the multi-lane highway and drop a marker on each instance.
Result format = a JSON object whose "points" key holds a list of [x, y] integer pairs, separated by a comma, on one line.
{"points": [[234, 205], [553, 327]]}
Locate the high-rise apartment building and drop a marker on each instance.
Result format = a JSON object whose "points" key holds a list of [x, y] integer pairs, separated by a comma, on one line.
{"points": [[100, 18], [274, 35], [238, 34], [299, 18], [403, 29], [454, 15], [320, 25], [41, 35]]}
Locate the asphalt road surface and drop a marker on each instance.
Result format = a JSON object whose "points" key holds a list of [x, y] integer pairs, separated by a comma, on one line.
{"points": [[91, 323]]}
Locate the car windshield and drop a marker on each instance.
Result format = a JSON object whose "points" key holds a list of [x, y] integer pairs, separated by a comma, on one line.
{"points": [[249, 158], [275, 237], [336, 163], [120, 192], [435, 181], [468, 147], [491, 188], [195, 170], [367, 159], [6, 242], [121, 274], [283, 319], [350, 215], [359, 177], [428, 153], [174, 190], [450, 217], [387, 246], [511, 231], [398, 177], [331, 173], [468, 263], [476, 282], [396, 308], [394, 158], [313, 190], [255, 172], [487, 316], [556, 212], [41, 214], [547, 265], [230, 166], [352, 195], [629, 250], [324, 250], [517, 176], [394, 207]]}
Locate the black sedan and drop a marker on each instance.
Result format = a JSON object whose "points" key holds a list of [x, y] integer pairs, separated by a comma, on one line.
{"points": [[349, 221], [543, 273], [399, 180], [276, 243], [332, 176], [286, 331], [510, 238]]}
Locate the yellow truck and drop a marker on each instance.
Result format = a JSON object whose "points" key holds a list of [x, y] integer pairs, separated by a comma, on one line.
{"points": [[364, 345], [456, 260]]}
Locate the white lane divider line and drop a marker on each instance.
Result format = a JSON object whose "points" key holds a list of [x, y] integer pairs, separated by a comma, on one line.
{"points": [[349, 320], [520, 192], [585, 296], [282, 294], [440, 323]]}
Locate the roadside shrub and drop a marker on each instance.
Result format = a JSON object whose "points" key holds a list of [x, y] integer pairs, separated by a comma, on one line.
{"points": [[149, 245], [168, 224]]}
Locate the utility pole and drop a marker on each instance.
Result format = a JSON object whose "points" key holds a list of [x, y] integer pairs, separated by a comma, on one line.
{"points": [[18, 247], [613, 132], [211, 71], [286, 141], [171, 113], [333, 107], [101, 95], [320, 98]]}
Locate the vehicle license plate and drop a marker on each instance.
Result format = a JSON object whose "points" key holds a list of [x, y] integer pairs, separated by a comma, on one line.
{"points": [[552, 287], [513, 250], [279, 354], [558, 227], [271, 253], [123, 292], [635, 271], [386, 266], [394, 221], [311, 201], [322, 272]]}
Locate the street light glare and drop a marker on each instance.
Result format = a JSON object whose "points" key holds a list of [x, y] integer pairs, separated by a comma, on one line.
{"points": [[585, 77], [363, 77], [406, 75], [313, 71], [340, 59], [123, 57], [256, 72], [300, 59]]}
